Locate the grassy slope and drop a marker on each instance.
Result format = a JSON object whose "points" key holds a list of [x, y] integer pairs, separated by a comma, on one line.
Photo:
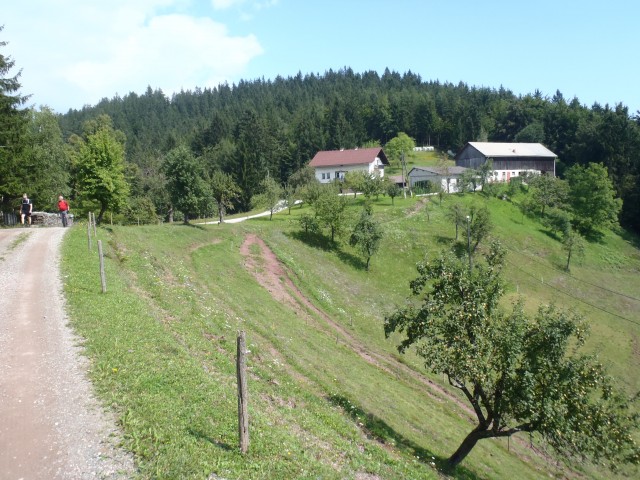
{"points": [[162, 344]]}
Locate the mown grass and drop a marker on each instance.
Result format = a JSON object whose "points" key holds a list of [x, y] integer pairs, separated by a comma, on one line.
{"points": [[162, 345]]}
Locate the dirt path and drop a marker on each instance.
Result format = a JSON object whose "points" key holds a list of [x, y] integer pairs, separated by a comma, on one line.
{"points": [[51, 426], [271, 274]]}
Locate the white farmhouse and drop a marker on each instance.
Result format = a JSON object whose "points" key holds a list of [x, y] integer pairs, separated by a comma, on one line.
{"points": [[333, 165]]}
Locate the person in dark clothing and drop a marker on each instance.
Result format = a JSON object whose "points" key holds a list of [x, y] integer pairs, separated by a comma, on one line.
{"points": [[63, 208], [25, 209]]}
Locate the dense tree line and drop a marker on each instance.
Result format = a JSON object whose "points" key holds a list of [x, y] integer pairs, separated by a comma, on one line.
{"points": [[274, 127], [271, 128]]}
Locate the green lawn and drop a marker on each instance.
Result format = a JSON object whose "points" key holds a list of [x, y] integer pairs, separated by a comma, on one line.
{"points": [[330, 397]]}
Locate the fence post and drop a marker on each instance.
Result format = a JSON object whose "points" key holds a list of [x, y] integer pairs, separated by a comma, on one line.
{"points": [[95, 232], [103, 278], [243, 415], [89, 233]]}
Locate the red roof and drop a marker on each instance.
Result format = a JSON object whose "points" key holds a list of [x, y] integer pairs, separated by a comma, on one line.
{"points": [[359, 156]]}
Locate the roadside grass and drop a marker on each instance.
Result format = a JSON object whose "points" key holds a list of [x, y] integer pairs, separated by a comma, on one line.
{"points": [[162, 344], [162, 348]]}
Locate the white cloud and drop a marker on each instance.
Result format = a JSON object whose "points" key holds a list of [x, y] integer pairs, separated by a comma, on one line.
{"points": [[84, 52], [224, 4]]}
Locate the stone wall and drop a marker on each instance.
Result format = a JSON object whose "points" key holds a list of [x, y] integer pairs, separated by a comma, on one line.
{"points": [[45, 219]]}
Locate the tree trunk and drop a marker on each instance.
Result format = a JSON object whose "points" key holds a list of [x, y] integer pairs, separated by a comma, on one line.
{"points": [[103, 208], [465, 447]]}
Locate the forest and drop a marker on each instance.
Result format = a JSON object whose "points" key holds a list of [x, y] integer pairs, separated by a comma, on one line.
{"points": [[272, 128]]}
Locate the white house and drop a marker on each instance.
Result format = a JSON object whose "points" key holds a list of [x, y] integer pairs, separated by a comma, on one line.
{"points": [[509, 159], [333, 165], [446, 178]]}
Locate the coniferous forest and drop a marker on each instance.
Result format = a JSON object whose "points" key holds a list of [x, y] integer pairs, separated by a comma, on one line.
{"points": [[277, 126]]}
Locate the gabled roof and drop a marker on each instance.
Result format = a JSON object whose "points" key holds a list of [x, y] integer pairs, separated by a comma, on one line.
{"points": [[503, 149], [358, 156], [442, 171]]}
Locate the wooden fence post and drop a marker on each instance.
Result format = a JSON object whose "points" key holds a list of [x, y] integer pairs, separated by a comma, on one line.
{"points": [[243, 414], [95, 232], [89, 233], [103, 278]]}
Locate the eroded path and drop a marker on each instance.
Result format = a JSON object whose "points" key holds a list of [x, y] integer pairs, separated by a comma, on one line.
{"points": [[51, 426]]}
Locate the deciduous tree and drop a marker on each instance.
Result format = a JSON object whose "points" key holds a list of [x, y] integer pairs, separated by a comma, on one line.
{"points": [[457, 214], [592, 198], [269, 197], [573, 244], [366, 235], [548, 191], [331, 211], [393, 190], [186, 182], [224, 191], [519, 373], [99, 164], [398, 145]]}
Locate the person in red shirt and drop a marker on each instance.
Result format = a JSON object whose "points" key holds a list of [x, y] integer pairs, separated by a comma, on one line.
{"points": [[63, 207]]}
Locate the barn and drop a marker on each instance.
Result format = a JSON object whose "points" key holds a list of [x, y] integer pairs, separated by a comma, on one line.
{"points": [[509, 159]]}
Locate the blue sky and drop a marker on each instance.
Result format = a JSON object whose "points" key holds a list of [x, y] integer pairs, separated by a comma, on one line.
{"points": [[76, 52]]}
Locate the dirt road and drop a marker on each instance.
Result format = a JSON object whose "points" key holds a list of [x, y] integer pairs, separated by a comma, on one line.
{"points": [[51, 426]]}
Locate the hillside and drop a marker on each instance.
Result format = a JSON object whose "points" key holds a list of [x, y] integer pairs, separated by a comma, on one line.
{"points": [[329, 396], [259, 128]]}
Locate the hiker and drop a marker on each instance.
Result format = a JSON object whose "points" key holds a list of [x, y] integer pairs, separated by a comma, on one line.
{"points": [[25, 209], [63, 208]]}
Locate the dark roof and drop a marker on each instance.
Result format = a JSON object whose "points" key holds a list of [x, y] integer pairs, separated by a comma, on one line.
{"points": [[358, 156]]}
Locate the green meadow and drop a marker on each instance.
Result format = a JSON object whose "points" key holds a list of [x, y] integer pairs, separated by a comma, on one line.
{"points": [[329, 396]]}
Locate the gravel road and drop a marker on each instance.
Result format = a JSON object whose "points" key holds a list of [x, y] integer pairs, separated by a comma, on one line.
{"points": [[51, 425]]}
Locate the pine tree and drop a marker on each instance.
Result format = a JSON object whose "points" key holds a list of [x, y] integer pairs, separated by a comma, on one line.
{"points": [[13, 123]]}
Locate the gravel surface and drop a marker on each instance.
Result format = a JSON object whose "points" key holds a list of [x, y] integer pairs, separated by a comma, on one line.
{"points": [[51, 425]]}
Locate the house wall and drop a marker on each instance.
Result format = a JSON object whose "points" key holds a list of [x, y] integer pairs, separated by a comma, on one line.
{"points": [[328, 174], [452, 181]]}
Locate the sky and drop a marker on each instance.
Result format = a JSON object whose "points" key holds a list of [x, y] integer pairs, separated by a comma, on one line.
{"points": [[72, 53]]}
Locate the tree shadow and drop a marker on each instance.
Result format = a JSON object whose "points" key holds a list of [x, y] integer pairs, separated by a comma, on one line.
{"points": [[442, 240], [379, 430], [203, 436], [629, 237], [193, 225], [314, 240], [350, 259], [550, 234], [321, 242]]}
